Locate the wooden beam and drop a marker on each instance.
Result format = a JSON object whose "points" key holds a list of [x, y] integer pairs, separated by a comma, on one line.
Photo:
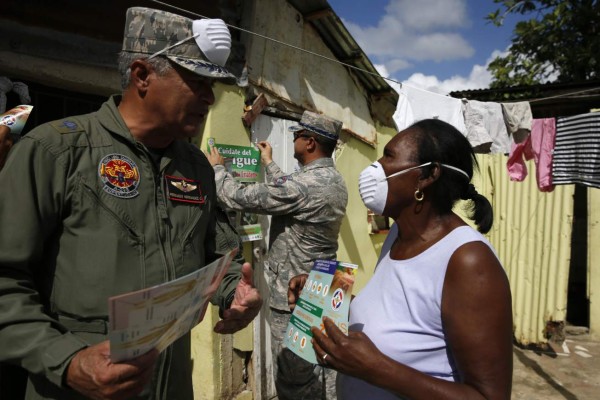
{"points": [[324, 13], [253, 111]]}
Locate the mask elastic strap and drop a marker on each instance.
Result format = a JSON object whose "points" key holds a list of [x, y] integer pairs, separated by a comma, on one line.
{"points": [[426, 164], [173, 45], [407, 169], [457, 170]]}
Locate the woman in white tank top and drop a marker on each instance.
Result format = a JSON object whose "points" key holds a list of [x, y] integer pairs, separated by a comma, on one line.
{"points": [[435, 320]]}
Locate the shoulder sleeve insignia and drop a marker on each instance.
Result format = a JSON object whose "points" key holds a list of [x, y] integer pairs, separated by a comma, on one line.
{"points": [[67, 126], [281, 180]]}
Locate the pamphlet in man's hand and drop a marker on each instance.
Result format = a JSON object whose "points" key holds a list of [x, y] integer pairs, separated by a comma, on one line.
{"points": [[155, 317], [15, 118], [326, 293]]}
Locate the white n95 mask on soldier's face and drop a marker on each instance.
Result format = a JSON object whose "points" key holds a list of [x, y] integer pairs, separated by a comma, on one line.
{"points": [[373, 187]]}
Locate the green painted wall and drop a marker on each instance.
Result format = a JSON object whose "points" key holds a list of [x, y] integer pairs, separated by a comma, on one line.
{"points": [[224, 120], [212, 365], [357, 245]]}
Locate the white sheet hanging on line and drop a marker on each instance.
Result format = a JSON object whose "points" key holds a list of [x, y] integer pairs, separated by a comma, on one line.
{"points": [[417, 104], [486, 130], [518, 119]]}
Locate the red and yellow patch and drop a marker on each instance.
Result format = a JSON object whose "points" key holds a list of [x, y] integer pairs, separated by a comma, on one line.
{"points": [[120, 176]]}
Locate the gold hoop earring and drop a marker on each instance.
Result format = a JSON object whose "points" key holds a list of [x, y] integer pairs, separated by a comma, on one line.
{"points": [[419, 196]]}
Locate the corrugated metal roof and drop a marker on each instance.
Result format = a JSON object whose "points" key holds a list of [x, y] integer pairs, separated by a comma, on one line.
{"points": [[546, 100], [344, 47], [517, 90]]}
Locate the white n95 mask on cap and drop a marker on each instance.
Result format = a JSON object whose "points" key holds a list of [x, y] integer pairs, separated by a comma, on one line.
{"points": [[373, 187], [213, 38]]}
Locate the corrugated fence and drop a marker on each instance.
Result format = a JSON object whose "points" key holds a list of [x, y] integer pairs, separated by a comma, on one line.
{"points": [[532, 235]]}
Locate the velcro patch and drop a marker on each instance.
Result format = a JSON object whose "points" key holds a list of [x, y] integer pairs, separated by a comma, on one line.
{"points": [[183, 190], [66, 126], [281, 180], [120, 176]]}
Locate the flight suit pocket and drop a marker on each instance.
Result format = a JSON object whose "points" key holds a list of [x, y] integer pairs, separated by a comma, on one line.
{"points": [[92, 331], [104, 254]]}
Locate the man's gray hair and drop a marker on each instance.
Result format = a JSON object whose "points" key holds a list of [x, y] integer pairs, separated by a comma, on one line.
{"points": [[160, 64]]}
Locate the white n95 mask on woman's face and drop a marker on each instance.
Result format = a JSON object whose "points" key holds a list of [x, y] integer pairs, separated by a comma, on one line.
{"points": [[373, 187], [373, 184]]}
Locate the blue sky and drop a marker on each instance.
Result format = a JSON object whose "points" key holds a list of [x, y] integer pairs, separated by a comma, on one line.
{"points": [[438, 45]]}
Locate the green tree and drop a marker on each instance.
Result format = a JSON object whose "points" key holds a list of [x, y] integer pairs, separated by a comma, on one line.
{"points": [[560, 42]]}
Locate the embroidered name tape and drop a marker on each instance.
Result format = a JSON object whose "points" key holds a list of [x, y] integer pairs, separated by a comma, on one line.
{"points": [[183, 190]]}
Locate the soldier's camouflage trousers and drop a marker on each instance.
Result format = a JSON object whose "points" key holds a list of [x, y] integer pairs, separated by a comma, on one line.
{"points": [[295, 378]]}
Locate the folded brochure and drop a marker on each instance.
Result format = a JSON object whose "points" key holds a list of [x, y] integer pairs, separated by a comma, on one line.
{"points": [[326, 293], [15, 118], [155, 317]]}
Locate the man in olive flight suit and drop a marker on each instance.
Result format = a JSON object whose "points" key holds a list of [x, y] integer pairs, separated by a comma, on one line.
{"points": [[111, 202], [307, 208]]}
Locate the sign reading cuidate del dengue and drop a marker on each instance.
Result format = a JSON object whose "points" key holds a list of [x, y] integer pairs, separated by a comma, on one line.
{"points": [[243, 162]]}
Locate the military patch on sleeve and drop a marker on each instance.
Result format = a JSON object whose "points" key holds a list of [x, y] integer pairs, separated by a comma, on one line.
{"points": [[281, 180], [66, 126]]}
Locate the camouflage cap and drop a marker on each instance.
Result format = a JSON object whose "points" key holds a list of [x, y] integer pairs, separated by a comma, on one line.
{"points": [[150, 31], [319, 124]]}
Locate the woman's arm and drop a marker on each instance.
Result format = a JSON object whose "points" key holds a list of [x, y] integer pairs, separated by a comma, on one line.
{"points": [[477, 318]]}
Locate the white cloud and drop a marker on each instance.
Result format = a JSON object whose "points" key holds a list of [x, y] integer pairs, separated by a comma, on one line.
{"points": [[416, 31], [438, 13], [440, 47], [479, 78], [382, 69], [412, 33], [397, 65]]}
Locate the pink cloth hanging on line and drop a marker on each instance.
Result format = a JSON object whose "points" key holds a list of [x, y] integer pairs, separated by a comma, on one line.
{"points": [[538, 146]]}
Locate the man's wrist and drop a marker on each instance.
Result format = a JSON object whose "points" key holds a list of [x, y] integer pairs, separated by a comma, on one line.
{"points": [[227, 303]]}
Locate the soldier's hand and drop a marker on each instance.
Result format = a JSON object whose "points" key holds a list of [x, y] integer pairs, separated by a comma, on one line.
{"points": [[92, 374], [266, 152], [295, 289], [214, 157], [245, 306]]}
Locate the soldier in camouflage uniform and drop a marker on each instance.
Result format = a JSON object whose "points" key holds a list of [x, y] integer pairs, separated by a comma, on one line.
{"points": [[110, 202], [307, 208]]}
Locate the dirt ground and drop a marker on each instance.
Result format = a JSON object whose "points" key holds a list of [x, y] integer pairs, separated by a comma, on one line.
{"points": [[570, 370]]}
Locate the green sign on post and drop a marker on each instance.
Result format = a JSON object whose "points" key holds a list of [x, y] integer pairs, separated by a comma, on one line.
{"points": [[243, 162]]}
